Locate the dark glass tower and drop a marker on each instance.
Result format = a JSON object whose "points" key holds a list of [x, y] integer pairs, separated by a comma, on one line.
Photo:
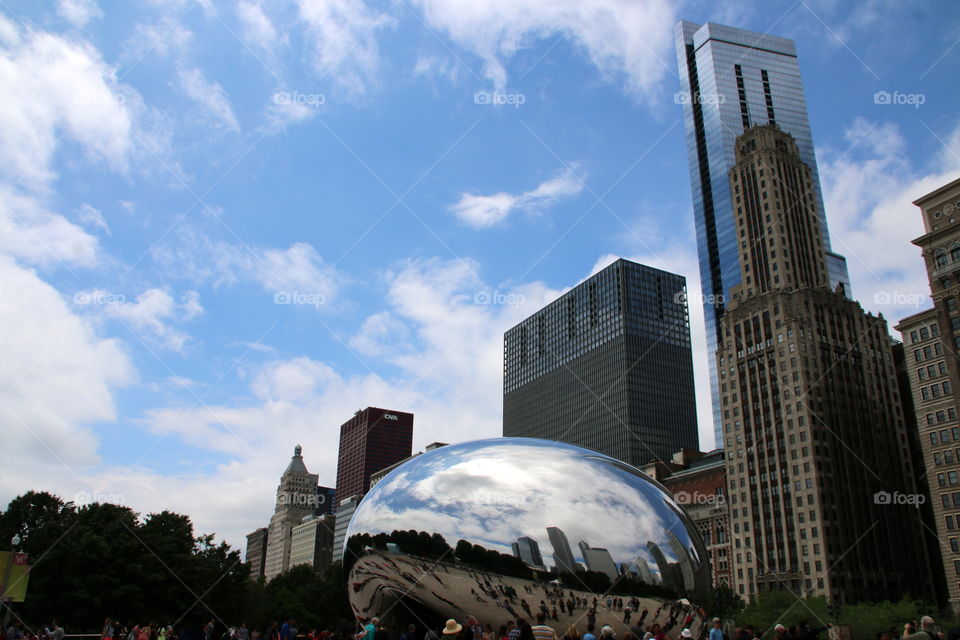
{"points": [[606, 366], [732, 79], [373, 439]]}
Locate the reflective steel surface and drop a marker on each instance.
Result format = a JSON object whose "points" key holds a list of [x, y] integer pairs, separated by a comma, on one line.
{"points": [[507, 527]]}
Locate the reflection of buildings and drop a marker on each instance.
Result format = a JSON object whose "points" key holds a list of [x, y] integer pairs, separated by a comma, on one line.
{"points": [[931, 339], [621, 336], [311, 542], [684, 564], [698, 482], [370, 441], [376, 477], [669, 572], [811, 407], [562, 555], [528, 550], [735, 79], [598, 559], [296, 496], [641, 569], [257, 551]]}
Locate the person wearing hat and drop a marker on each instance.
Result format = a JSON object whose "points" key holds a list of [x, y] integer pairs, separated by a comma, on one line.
{"points": [[451, 629], [686, 635], [927, 630], [781, 632], [716, 633]]}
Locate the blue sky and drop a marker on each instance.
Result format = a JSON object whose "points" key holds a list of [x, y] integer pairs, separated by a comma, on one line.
{"points": [[226, 226]]}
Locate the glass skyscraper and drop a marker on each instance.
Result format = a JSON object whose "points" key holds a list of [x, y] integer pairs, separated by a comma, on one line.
{"points": [[606, 366], [732, 79]]}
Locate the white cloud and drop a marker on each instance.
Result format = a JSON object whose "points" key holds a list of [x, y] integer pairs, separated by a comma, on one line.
{"points": [[37, 236], [210, 97], [480, 211], [79, 12], [627, 40], [92, 217], [150, 317], [57, 377], [258, 30], [163, 39], [342, 35], [869, 187], [57, 87]]}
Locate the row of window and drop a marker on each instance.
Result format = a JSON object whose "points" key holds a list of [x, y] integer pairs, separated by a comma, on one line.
{"points": [[936, 390], [924, 333], [928, 352], [945, 435], [932, 370], [945, 457]]}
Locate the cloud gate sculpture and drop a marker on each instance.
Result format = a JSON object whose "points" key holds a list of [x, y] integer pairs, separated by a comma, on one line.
{"points": [[507, 528]]}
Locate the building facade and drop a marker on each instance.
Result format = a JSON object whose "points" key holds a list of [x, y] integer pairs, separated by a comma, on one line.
{"points": [[811, 416], [606, 366], [311, 542], [341, 523], [698, 482], [296, 497], [931, 342], [257, 552], [732, 79], [371, 440]]}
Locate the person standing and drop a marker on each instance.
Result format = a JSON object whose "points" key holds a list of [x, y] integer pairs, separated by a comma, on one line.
{"points": [[55, 631], [927, 630], [716, 633], [541, 631]]}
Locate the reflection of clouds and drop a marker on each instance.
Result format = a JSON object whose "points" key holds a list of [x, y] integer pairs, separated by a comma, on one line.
{"points": [[491, 492]]}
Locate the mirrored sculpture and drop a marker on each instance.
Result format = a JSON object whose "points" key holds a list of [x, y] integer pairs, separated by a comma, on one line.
{"points": [[507, 528]]}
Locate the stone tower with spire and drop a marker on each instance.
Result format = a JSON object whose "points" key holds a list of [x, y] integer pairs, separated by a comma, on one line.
{"points": [[296, 499]]}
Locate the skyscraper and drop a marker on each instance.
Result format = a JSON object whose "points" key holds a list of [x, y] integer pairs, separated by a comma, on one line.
{"points": [[528, 550], [296, 498], [606, 366], [811, 416], [732, 79], [371, 440], [562, 554], [931, 341]]}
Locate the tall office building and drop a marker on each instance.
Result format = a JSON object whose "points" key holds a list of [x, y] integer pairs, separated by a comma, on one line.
{"points": [[732, 79], [528, 550], [311, 542], [811, 416], [562, 554], [931, 341], [257, 552], [371, 440], [606, 366], [296, 497]]}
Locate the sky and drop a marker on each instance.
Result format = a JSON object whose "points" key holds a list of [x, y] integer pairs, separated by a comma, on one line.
{"points": [[226, 226]]}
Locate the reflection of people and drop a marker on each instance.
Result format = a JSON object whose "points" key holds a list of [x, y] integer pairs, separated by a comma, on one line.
{"points": [[589, 634], [542, 631]]}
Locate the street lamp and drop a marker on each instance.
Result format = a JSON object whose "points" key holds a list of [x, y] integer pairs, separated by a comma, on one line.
{"points": [[7, 601]]}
